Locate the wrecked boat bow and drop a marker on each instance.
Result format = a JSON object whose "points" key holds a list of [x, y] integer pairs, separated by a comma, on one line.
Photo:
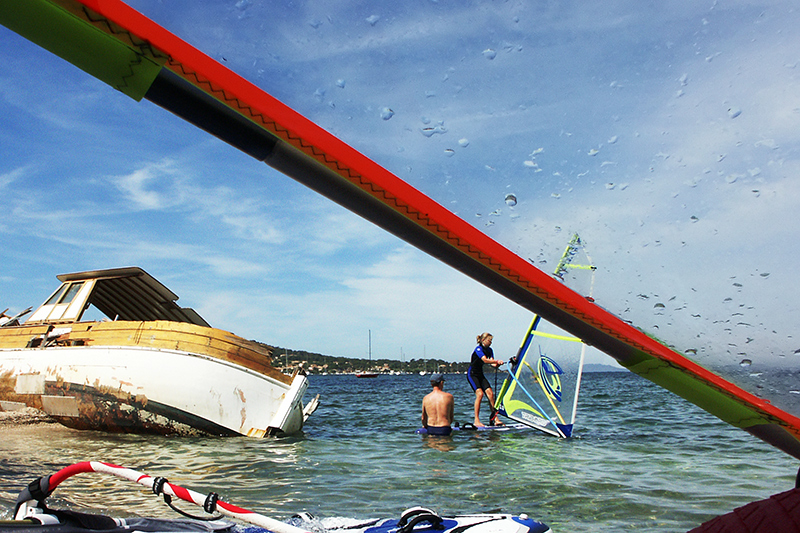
{"points": [[150, 367]]}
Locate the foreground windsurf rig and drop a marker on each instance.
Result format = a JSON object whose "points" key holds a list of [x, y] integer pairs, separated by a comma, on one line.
{"points": [[31, 515]]}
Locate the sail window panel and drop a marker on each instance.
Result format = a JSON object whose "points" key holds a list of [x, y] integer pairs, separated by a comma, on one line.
{"points": [[58, 304], [47, 307], [44, 310], [77, 295], [72, 290], [57, 312], [56, 297]]}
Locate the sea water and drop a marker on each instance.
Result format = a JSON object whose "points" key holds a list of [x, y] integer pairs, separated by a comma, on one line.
{"points": [[641, 459]]}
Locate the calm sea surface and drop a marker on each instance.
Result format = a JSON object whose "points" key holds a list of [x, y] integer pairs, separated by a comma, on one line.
{"points": [[642, 459]]}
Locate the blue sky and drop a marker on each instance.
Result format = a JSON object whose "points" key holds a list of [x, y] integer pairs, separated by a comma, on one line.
{"points": [[665, 134]]}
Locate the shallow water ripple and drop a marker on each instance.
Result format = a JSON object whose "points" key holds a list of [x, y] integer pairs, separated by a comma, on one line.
{"points": [[642, 459]]}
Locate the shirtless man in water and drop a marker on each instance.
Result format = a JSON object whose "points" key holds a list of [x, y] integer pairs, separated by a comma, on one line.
{"points": [[437, 408]]}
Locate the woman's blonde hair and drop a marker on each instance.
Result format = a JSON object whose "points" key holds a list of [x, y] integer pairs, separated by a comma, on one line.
{"points": [[483, 336]]}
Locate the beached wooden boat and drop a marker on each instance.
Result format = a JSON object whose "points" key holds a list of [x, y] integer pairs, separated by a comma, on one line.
{"points": [[150, 366]]}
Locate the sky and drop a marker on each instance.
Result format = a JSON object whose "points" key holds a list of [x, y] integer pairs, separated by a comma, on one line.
{"points": [[666, 134]]}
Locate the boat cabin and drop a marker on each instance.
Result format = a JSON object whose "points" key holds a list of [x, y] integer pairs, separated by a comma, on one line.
{"points": [[127, 293]]}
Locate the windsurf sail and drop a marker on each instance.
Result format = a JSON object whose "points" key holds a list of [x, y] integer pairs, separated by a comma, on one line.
{"points": [[543, 383], [123, 48]]}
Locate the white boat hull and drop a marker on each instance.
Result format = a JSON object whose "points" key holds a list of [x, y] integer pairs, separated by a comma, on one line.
{"points": [[137, 389]]}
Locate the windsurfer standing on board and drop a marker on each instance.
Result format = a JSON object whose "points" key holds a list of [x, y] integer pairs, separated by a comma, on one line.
{"points": [[437, 408], [483, 354]]}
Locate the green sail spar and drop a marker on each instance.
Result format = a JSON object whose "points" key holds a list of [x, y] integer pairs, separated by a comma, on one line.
{"points": [[541, 390]]}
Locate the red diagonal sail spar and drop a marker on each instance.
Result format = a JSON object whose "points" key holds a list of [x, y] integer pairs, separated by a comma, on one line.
{"points": [[133, 54]]}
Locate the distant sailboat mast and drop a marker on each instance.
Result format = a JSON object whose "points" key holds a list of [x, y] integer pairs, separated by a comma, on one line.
{"points": [[368, 373]]}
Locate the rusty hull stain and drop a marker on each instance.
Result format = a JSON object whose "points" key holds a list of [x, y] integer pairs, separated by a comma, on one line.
{"points": [[243, 411], [112, 410], [8, 384]]}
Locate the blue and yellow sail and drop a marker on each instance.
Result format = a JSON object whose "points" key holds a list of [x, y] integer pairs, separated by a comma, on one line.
{"points": [[542, 387]]}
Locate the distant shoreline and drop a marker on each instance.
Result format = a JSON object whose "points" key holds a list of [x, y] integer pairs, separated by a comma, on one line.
{"points": [[595, 367]]}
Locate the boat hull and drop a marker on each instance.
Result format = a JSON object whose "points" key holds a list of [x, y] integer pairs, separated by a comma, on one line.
{"points": [[148, 390]]}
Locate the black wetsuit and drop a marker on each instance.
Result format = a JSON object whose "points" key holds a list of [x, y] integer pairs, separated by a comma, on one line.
{"points": [[475, 373]]}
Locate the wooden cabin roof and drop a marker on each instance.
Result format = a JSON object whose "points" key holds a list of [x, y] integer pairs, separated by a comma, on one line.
{"points": [[127, 293]]}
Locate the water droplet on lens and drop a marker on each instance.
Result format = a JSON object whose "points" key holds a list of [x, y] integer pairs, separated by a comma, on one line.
{"points": [[489, 53], [340, 83], [463, 143], [449, 152], [373, 19], [386, 113], [430, 131], [593, 152], [734, 112], [511, 200], [745, 363]]}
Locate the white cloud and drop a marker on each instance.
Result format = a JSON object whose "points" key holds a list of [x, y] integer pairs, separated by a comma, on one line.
{"points": [[139, 186], [8, 178]]}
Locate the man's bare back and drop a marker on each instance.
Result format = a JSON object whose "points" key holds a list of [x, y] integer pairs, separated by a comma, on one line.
{"points": [[437, 408]]}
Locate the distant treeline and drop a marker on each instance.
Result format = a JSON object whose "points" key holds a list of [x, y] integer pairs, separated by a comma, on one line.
{"points": [[286, 357]]}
